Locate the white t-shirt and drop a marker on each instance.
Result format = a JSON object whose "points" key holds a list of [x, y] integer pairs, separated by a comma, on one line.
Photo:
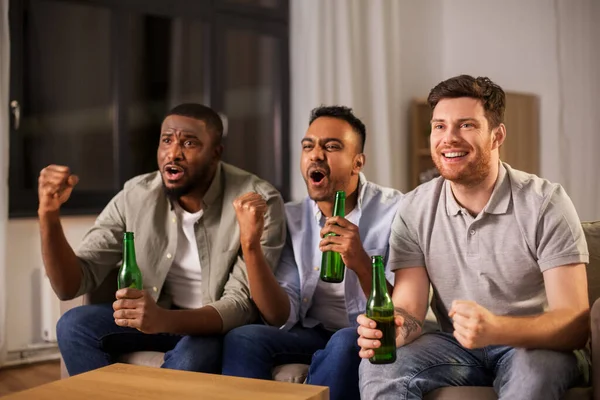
{"points": [[329, 300], [184, 280]]}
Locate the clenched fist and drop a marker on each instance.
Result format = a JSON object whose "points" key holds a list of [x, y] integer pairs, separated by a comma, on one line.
{"points": [[250, 209], [55, 185], [474, 325]]}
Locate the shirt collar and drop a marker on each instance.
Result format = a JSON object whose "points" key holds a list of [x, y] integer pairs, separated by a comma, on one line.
{"points": [[362, 187], [498, 202]]}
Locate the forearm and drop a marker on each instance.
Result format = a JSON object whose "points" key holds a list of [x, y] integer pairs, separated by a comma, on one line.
{"points": [[270, 298], [62, 265], [411, 328], [553, 330], [202, 321]]}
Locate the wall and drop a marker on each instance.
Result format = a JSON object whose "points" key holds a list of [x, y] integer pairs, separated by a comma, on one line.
{"points": [[24, 263], [543, 47], [513, 42]]}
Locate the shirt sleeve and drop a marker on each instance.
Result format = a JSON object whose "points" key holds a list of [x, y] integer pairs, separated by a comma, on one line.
{"points": [[405, 250], [235, 305], [559, 238], [101, 249], [288, 277]]}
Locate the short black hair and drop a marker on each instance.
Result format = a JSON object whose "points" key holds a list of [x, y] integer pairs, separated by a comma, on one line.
{"points": [[202, 113], [345, 114]]}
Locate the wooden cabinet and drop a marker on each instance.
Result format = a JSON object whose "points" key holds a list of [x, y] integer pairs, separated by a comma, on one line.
{"points": [[520, 149]]}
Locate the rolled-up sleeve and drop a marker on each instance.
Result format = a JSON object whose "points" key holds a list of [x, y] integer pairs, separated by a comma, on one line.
{"points": [[101, 249], [235, 306], [289, 278]]}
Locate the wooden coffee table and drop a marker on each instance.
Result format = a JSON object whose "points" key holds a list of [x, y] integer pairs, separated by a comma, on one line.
{"points": [[127, 382]]}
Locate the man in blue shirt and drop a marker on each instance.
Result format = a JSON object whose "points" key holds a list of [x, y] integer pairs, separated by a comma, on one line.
{"points": [[303, 316]]}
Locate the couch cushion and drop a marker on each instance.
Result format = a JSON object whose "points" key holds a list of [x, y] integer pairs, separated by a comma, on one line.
{"points": [[592, 237], [146, 358], [295, 373]]}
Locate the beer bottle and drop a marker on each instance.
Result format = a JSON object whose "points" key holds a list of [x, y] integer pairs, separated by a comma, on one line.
{"points": [[130, 275], [332, 266], [381, 310]]}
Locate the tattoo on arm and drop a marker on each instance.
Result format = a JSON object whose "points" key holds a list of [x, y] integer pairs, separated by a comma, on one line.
{"points": [[411, 324]]}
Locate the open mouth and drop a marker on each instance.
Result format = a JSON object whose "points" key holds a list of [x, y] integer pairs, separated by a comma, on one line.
{"points": [[174, 172], [454, 155], [317, 176]]}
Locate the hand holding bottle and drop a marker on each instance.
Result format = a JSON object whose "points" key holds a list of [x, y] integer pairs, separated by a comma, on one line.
{"points": [[137, 309], [345, 241], [55, 186]]}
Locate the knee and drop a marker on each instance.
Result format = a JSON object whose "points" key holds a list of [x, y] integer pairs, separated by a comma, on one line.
{"points": [[195, 353], [68, 324], [343, 342], [244, 339]]}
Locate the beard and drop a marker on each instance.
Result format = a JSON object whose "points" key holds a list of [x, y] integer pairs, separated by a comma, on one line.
{"points": [[199, 179], [326, 193], [471, 174]]}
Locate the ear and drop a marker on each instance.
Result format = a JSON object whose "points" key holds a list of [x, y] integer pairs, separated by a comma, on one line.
{"points": [[498, 136], [359, 163]]}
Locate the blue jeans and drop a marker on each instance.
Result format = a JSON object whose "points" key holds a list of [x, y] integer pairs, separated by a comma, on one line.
{"points": [[252, 351], [88, 338], [437, 360]]}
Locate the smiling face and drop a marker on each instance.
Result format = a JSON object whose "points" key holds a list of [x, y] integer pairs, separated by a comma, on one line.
{"points": [[188, 155], [463, 147], [331, 158]]}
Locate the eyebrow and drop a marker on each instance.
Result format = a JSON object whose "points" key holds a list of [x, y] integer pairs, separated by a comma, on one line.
{"points": [[465, 119], [323, 140], [186, 134]]}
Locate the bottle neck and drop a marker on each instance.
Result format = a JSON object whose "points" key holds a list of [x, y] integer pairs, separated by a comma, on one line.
{"points": [[129, 252], [339, 209], [379, 282]]}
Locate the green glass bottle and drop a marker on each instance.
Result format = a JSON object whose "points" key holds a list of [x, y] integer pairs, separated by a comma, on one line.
{"points": [[130, 275], [332, 266], [381, 310]]}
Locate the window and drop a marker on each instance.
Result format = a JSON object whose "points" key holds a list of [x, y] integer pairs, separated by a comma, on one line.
{"points": [[92, 79]]}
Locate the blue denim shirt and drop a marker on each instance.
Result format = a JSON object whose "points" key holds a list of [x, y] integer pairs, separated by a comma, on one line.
{"points": [[299, 268]]}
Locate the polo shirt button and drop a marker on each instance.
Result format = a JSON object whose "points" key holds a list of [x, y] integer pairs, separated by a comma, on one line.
{"points": [[155, 289], [472, 232], [305, 300], [169, 255], [316, 268]]}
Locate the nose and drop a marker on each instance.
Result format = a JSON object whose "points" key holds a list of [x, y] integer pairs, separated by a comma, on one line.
{"points": [[175, 152], [317, 153], [451, 135]]}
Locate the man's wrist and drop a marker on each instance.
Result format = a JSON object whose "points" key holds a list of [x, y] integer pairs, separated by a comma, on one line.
{"points": [[49, 215], [251, 246]]}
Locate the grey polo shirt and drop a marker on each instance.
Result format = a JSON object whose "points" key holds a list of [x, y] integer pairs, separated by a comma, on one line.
{"points": [[143, 208], [497, 258]]}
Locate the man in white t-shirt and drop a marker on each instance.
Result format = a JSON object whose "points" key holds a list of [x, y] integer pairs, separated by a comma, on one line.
{"points": [[187, 245]]}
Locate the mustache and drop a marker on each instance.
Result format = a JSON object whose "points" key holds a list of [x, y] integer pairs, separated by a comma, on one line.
{"points": [[318, 166]]}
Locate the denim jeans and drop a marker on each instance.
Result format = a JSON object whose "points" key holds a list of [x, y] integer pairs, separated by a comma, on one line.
{"points": [[437, 360], [253, 350], [88, 338]]}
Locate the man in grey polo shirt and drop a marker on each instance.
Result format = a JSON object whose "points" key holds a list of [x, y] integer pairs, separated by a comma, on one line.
{"points": [[505, 253], [188, 248]]}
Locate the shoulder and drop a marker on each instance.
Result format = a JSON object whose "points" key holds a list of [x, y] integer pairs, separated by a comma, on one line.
{"points": [[422, 197], [382, 194], [532, 193], [144, 184], [241, 181]]}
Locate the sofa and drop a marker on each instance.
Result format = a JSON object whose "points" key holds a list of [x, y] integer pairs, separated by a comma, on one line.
{"points": [[297, 372]]}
